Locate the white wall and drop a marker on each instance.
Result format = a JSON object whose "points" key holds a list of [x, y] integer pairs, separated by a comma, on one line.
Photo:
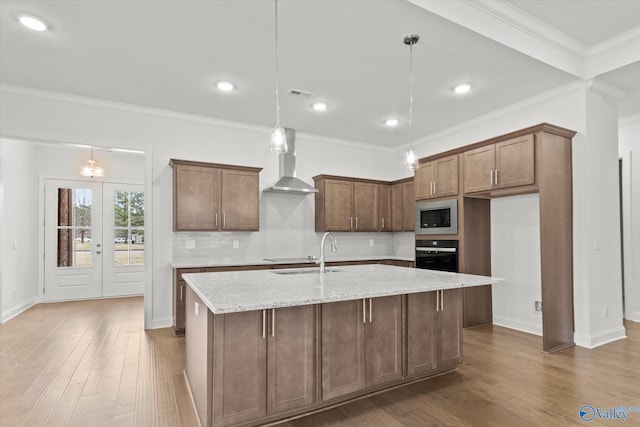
{"points": [[515, 223], [629, 147], [19, 204]]}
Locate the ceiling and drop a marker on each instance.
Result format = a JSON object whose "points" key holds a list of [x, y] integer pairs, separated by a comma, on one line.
{"points": [[169, 54]]}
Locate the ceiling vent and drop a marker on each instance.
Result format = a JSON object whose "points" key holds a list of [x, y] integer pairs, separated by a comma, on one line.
{"points": [[298, 92]]}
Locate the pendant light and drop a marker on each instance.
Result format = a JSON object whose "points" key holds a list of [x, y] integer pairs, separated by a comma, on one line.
{"points": [[90, 169], [411, 158], [278, 137]]}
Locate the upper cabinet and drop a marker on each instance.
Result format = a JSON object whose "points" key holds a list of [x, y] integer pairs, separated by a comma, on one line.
{"points": [[215, 197], [438, 178], [408, 206], [346, 205], [505, 164], [384, 210]]}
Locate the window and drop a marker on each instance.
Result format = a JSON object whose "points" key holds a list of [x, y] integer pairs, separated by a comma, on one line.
{"points": [[128, 228]]}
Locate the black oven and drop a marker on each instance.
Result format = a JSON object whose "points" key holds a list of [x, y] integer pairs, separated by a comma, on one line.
{"points": [[437, 255]]}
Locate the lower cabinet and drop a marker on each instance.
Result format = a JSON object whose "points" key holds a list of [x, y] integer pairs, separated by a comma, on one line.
{"points": [[361, 344], [179, 298], [434, 331], [263, 363]]}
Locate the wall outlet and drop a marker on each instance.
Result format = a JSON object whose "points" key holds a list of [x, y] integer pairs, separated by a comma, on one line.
{"points": [[236, 244], [596, 244], [371, 242], [538, 306], [190, 244], [605, 311], [14, 294]]}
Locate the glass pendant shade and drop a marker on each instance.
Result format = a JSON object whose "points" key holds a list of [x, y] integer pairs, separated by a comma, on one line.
{"points": [[411, 159], [278, 140]]}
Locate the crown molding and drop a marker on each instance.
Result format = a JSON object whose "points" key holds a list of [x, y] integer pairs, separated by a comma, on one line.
{"points": [[629, 119], [605, 89]]}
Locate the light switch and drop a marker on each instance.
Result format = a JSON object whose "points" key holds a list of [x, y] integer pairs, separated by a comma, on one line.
{"points": [[191, 244], [236, 244]]}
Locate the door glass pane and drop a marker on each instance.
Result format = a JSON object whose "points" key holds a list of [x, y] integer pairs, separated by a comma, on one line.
{"points": [[128, 228], [74, 227]]}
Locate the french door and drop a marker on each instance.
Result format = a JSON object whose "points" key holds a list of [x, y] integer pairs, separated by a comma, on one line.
{"points": [[94, 240]]}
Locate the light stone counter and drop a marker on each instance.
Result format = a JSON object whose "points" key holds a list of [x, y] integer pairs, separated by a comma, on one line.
{"points": [[197, 261], [230, 292]]}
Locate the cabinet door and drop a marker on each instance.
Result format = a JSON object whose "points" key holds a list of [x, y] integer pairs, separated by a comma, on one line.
{"points": [[421, 356], [478, 169], [291, 358], [397, 206], [239, 200], [196, 196], [515, 162], [424, 178], [338, 205], [409, 207], [365, 206], [343, 359], [446, 177], [449, 329], [179, 298], [384, 193], [383, 340], [239, 368]]}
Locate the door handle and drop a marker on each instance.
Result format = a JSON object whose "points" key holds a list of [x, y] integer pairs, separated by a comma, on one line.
{"points": [[98, 252]]}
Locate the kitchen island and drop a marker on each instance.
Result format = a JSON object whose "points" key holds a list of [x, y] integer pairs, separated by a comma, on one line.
{"points": [[274, 344]]}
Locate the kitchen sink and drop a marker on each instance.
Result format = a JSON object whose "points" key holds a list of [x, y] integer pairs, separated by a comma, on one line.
{"points": [[305, 271]]}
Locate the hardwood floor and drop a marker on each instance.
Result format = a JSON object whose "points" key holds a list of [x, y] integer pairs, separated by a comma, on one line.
{"points": [[91, 363]]}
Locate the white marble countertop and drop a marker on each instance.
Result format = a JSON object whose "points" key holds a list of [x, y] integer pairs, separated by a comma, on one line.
{"points": [[199, 261], [230, 292]]}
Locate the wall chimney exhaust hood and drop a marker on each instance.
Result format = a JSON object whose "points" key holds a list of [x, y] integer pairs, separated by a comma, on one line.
{"points": [[287, 181]]}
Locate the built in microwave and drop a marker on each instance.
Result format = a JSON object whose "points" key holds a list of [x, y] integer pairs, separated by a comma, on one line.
{"points": [[440, 217]]}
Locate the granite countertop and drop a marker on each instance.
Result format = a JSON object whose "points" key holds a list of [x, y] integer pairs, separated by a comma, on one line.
{"points": [[199, 261], [230, 292]]}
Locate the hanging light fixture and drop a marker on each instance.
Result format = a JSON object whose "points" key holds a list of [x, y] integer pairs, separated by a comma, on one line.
{"points": [[278, 137], [411, 158], [90, 169]]}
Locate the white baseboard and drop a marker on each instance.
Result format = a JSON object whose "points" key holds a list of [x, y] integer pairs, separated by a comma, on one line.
{"points": [[518, 325], [167, 322], [9, 314], [600, 338], [634, 317]]}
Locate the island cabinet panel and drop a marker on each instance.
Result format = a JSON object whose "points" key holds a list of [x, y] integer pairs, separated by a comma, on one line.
{"points": [[214, 197], [291, 356], [438, 178], [343, 358], [383, 340], [434, 331], [361, 344], [239, 368], [179, 299]]}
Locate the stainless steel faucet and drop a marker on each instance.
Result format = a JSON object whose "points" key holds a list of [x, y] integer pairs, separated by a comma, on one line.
{"points": [[334, 248]]}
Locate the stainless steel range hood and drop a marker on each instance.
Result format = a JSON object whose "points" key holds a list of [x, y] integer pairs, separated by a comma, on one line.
{"points": [[287, 181]]}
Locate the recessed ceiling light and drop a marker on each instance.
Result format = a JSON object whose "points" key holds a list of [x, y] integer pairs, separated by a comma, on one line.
{"points": [[225, 86], [32, 23], [319, 106], [391, 122], [462, 88]]}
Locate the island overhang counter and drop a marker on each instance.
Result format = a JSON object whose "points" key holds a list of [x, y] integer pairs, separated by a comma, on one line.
{"points": [[274, 344]]}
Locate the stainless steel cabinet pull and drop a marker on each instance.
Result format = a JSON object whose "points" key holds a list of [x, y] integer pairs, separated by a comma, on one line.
{"points": [[437, 300], [383, 223], [264, 323], [370, 311], [356, 223], [491, 175], [496, 176], [224, 219], [441, 300], [273, 322], [435, 191], [181, 288], [351, 222], [216, 219], [364, 312]]}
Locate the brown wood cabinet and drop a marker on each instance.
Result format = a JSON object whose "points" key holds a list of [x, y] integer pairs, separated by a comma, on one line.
{"points": [[384, 196], [214, 197], [408, 206], [179, 298], [397, 207], [346, 204], [438, 178], [263, 363], [501, 165], [361, 345], [434, 331]]}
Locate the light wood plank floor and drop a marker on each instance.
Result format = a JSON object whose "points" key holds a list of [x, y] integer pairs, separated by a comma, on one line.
{"points": [[91, 363]]}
